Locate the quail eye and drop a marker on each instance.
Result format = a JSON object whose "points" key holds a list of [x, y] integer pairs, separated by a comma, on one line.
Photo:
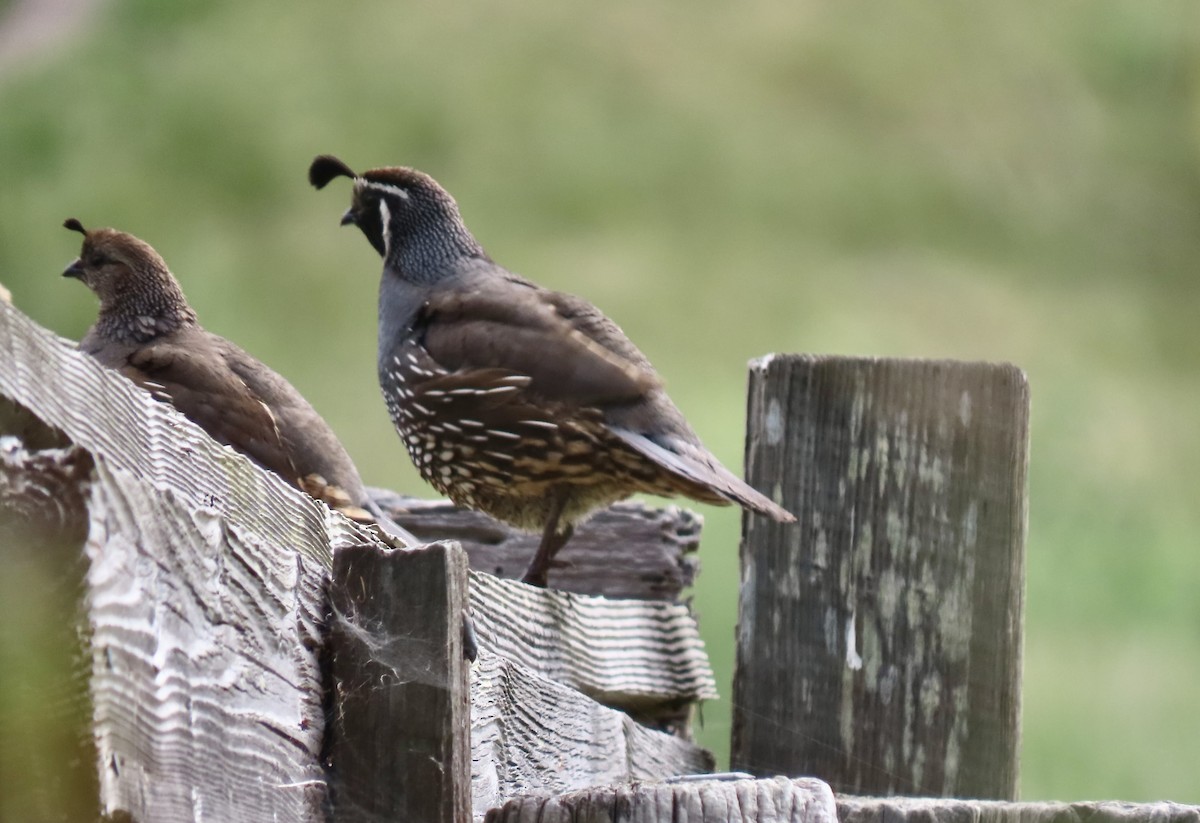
{"points": [[99, 261]]}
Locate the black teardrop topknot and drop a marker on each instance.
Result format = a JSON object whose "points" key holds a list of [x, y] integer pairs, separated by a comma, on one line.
{"points": [[325, 167], [74, 225]]}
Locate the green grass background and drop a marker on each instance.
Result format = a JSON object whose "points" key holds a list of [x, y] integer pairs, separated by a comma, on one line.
{"points": [[1004, 181]]}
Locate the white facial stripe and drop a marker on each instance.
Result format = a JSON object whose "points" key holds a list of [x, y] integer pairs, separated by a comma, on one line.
{"points": [[387, 188], [385, 220]]}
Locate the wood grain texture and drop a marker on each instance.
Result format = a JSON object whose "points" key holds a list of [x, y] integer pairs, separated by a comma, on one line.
{"points": [[205, 596], [109, 417], [106, 415], [206, 604], [936, 810], [205, 679], [778, 800], [529, 733], [879, 638], [628, 550], [399, 745], [640, 656]]}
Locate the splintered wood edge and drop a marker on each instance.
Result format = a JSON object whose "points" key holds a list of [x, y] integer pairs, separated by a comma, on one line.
{"points": [[529, 733], [771, 800], [45, 489], [205, 679], [106, 414], [627, 653]]}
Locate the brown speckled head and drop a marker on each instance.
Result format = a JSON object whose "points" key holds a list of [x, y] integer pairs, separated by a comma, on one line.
{"points": [[136, 289]]}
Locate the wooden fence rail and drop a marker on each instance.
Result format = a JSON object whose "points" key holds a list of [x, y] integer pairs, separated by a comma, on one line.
{"points": [[250, 655], [210, 653]]}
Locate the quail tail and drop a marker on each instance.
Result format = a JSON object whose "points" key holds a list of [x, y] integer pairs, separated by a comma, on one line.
{"points": [[700, 467]]}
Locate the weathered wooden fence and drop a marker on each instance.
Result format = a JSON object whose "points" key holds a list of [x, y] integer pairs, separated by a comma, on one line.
{"points": [[250, 655]]}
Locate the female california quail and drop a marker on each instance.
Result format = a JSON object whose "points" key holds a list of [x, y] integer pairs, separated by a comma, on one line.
{"points": [[147, 331]]}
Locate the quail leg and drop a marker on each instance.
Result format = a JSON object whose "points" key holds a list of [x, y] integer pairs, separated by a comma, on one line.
{"points": [[537, 572], [553, 539]]}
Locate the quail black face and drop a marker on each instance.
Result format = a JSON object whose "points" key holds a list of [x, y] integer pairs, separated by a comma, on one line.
{"points": [[365, 213], [368, 207], [395, 207]]}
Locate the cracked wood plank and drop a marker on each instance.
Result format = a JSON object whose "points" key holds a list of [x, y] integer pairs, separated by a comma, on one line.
{"points": [[398, 675], [879, 638]]}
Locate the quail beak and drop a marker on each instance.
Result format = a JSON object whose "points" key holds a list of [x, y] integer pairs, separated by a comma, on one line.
{"points": [[74, 270], [348, 217]]}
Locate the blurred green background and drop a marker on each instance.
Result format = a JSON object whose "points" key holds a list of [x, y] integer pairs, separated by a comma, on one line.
{"points": [[1004, 181]]}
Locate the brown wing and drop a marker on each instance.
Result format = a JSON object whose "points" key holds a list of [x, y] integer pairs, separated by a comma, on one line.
{"points": [[192, 375], [311, 443], [589, 321], [520, 329]]}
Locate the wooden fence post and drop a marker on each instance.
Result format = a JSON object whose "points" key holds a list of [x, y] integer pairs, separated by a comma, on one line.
{"points": [[879, 638], [401, 728]]}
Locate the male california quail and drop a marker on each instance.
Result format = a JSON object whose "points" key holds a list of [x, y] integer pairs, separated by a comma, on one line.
{"points": [[147, 331], [524, 403]]}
